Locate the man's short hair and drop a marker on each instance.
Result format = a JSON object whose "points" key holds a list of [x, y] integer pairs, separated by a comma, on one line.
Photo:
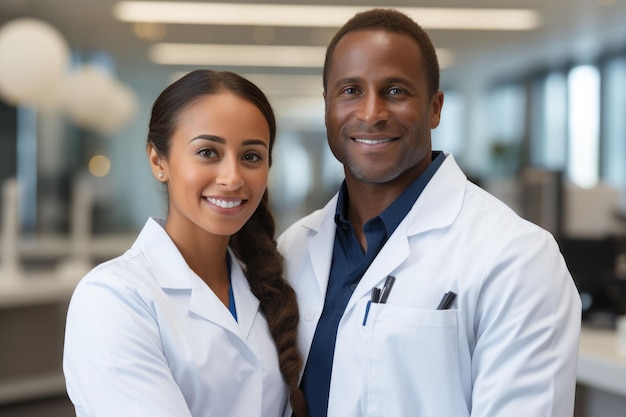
{"points": [[389, 20]]}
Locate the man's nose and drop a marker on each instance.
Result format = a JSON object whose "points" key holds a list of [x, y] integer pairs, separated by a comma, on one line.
{"points": [[373, 109]]}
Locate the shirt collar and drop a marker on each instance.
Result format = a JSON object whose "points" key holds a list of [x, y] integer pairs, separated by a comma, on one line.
{"points": [[396, 211]]}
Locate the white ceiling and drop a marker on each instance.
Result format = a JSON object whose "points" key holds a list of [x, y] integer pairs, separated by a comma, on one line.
{"points": [[571, 30]]}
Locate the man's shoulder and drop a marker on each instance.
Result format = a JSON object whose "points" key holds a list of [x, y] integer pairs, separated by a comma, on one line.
{"points": [[301, 225], [307, 225], [496, 218]]}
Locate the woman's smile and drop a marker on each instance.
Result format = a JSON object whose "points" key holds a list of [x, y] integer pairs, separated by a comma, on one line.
{"points": [[226, 206]]}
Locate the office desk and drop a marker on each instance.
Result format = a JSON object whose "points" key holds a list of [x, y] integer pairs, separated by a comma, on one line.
{"points": [[32, 322], [601, 376], [33, 306]]}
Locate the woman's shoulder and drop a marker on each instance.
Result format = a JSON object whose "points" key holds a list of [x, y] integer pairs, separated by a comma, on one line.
{"points": [[124, 276]]}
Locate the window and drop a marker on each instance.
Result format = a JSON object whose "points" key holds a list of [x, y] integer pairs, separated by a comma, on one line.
{"points": [[507, 126], [583, 125], [614, 123], [449, 135], [548, 142]]}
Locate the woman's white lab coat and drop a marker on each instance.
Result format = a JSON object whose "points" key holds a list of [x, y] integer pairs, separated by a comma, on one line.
{"points": [[147, 337], [508, 345]]}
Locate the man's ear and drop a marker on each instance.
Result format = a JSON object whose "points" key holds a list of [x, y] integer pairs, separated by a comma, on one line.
{"points": [[436, 104], [325, 106]]}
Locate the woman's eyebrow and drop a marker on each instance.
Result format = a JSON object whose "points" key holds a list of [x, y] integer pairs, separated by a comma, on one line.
{"points": [[222, 141], [211, 138]]}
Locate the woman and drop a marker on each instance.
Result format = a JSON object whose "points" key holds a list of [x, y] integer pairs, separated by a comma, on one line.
{"points": [[195, 319]]}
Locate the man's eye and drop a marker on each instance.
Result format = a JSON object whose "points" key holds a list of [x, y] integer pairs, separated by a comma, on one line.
{"points": [[349, 90], [394, 91]]}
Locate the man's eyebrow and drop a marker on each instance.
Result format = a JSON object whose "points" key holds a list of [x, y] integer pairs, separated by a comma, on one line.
{"points": [[254, 142], [399, 80], [347, 80]]}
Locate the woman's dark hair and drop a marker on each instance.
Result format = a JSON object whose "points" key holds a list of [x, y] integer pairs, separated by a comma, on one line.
{"points": [[254, 243], [389, 20]]}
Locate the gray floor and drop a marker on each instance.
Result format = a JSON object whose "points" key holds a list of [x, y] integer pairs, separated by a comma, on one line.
{"points": [[49, 407]]}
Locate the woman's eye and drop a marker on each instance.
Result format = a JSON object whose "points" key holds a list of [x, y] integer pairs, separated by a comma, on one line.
{"points": [[252, 157], [207, 153]]}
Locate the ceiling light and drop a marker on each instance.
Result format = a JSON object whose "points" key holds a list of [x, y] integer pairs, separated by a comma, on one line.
{"points": [[317, 16], [237, 55], [279, 85], [249, 55], [150, 31]]}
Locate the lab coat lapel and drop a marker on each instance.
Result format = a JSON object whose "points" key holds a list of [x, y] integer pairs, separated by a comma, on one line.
{"points": [[246, 303], [173, 273], [441, 200], [205, 305], [321, 246], [437, 207], [393, 253], [166, 263]]}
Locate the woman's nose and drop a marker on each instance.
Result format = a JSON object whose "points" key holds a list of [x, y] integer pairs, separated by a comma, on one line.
{"points": [[229, 174]]}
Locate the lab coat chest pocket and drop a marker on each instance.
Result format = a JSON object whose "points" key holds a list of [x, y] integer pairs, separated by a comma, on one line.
{"points": [[413, 367]]}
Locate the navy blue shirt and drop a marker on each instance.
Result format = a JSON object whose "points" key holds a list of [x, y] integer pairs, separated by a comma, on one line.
{"points": [[349, 263]]}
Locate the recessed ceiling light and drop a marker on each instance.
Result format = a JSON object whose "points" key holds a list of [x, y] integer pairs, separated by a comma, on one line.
{"points": [[237, 55], [249, 55], [302, 15]]}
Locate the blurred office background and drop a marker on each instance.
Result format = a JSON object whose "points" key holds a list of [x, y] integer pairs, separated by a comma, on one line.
{"points": [[534, 111]]}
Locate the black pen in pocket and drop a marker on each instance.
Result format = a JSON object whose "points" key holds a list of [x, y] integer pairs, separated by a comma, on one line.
{"points": [[386, 289], [446, 301]]}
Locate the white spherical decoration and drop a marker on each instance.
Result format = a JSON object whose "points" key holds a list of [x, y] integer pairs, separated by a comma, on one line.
{"points": [[85, 96], [95, 100], [121, 107], [52, 100], [34, 57]]}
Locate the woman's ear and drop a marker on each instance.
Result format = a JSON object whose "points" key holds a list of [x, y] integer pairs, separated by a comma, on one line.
{"points": [[157, 164]]}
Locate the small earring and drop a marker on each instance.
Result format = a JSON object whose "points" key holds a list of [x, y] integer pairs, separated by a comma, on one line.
{"points": [[161, 175]]}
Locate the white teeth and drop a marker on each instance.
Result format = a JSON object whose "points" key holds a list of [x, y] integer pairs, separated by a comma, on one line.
{"points": [[372, 142], [225, 204]]}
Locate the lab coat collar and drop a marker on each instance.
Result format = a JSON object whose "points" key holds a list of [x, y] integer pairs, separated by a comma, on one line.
{"points": [[167, 264], [441, 200], [320, 250], [437, 207], [172, 272], [318, 223], [393, 253], [246, 303]]}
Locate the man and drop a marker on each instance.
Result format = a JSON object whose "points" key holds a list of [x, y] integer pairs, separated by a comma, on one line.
{"points": [[420, 294]]}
